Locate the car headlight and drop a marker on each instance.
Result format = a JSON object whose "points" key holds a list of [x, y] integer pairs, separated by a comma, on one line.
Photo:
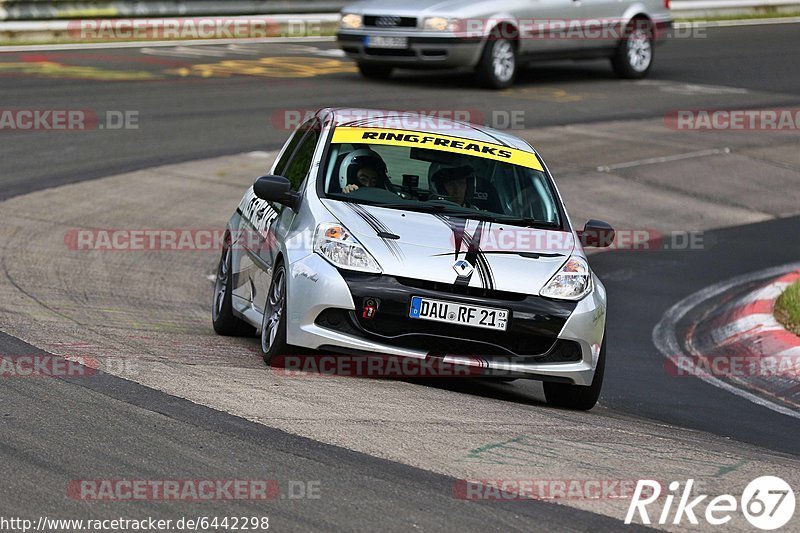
{"points": [[339, 246], [440, 24], [351, 21], [572, 282]]}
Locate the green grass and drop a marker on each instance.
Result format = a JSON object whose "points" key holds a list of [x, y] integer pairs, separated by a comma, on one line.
{"points": [[787, 308]]}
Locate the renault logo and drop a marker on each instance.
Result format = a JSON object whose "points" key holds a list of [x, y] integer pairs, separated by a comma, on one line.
{"points": [[387, 22], [462, 268]]}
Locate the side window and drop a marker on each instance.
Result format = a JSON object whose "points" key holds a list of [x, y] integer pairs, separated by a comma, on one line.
{"points": [[290, 148], [298, 167]]}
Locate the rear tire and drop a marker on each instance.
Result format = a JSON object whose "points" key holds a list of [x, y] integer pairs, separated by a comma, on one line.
{"points": [[222, 317], [273, 323], [498, 65], [577, 396], [375, 72], [633, 58]]}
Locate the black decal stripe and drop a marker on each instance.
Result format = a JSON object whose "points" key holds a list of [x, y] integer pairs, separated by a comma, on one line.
{"points": [[378, 227], [467, 242], [461, 237], [487, 269], [476, 257], [457, 227], [382, 228], [482, 260]]}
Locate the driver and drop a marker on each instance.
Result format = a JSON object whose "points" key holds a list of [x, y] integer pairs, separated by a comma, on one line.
{"points": [[457, 183], [362, 168]]}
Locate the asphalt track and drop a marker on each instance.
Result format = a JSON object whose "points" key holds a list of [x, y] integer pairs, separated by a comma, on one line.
{"points": [[114, 424], [185, 118]]}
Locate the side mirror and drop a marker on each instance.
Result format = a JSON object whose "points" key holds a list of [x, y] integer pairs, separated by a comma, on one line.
{"points": [[597, 233], [276, 189]]}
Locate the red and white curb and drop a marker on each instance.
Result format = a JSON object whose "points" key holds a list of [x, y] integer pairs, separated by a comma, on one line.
{"points": [[749, 327], [744, 327]]}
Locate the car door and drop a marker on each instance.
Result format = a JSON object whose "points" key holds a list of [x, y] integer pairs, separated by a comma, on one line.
{"points": [[544, 26], [272, 223], [602, 22]]}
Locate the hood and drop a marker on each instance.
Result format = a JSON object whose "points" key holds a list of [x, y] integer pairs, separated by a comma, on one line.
{"points": [[426, 246]]}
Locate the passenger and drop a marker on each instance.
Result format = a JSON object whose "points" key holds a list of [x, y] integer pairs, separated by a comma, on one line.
{"points": [[456, 183]]}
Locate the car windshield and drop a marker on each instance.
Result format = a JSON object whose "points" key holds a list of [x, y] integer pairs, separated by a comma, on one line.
{"points": [[437, 173]]}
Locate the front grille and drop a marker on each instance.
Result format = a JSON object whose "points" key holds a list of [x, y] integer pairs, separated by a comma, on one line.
{"points": [[389, 21], [389, 52], [462, 289], [441, 339]]}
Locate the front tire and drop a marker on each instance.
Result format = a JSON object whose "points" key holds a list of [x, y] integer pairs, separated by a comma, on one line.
{"points": [[497, 67], [577, 396], [633, 58], [222, 317], [375, 72], [273, 323]]}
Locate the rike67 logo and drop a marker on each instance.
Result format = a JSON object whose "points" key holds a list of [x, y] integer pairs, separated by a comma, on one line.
{"points": [[767, 503]]}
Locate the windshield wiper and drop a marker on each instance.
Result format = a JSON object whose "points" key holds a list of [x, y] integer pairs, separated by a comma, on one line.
{"points": [[527, 222], [425, 208], [458, 211]]}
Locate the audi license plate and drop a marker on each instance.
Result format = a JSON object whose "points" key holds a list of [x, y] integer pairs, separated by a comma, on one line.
{"points": [[457, 313], [376, 41]]}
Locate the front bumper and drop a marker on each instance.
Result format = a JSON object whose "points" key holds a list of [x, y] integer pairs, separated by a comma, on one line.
{"points": [[545, 340], [424, 50]]}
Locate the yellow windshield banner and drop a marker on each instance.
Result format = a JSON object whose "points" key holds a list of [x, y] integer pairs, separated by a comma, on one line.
{"points": [[433, 141]]}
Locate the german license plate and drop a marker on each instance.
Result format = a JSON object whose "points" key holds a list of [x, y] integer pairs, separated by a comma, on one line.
{"points": [[457, 313], [376, 41]]}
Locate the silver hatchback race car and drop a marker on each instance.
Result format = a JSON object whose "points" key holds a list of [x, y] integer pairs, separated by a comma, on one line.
{"points": [[397, 234]]}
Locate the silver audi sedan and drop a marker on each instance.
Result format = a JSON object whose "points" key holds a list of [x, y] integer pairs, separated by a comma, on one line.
{"points": [[495, 37], [379, 232]]}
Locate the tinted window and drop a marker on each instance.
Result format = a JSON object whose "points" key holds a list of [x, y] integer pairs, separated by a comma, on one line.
{"points": [[301, 161], [290, 148], [441, 182]]}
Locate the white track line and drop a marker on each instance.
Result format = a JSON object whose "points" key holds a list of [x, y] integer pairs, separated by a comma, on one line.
{"points": [[667, 343], [665, 159]]}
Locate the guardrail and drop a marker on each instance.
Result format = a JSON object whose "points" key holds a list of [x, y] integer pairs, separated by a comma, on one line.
{"points": [[70, 9], [717, 8]]}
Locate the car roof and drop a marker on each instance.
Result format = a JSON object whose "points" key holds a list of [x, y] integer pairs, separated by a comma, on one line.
{"points": [[425, 122]]}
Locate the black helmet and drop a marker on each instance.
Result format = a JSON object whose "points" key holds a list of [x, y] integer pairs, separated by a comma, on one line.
{"points": [[443, 175]]}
